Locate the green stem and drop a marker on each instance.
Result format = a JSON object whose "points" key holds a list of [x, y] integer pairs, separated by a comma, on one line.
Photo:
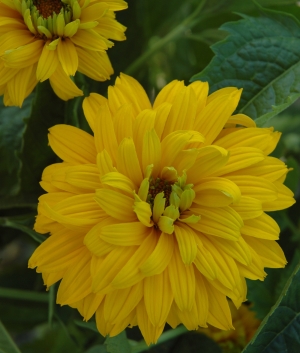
{"points": [[186, 24], [166, 336], [23, 295]]}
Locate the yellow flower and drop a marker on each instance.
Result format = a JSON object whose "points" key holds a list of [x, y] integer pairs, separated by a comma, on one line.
{"points": [[160, 215], [52, 39], [245, 325]]}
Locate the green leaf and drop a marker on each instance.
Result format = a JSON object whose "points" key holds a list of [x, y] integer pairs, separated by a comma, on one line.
{"points": [[264, 294], [118, 344], [11, 130], [7, 345], [19, 294], [8, 222], [47, 110], [262, 56], [190, 342], [87, 325], [279, 331], [97, 349]]}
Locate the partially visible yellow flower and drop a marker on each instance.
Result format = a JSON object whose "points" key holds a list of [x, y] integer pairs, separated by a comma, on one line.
{"points": [[245, 325], [52, 39], [160, 214]]}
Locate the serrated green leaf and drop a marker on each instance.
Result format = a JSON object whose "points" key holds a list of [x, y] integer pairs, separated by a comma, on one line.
{"points": [[118, 344], [47, 111], [97, 349], [262, 56], [279, 331], [11, 130], [7, 345]]}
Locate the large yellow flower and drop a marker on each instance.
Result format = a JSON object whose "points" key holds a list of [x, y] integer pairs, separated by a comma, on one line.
{"points": [[160, 215], [52, 39]]}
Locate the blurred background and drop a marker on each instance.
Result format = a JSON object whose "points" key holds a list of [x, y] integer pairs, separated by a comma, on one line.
{"points": [[165, 41]]}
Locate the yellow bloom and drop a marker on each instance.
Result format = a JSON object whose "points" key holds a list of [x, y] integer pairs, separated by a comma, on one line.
{"points": [[52, 39], [160, 215], [245, 325]]}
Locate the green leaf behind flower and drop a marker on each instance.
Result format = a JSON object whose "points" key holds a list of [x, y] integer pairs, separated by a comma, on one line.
{"points": [[262, 56], [279, 332], [118, 344], [47, 111], [7, 345]]}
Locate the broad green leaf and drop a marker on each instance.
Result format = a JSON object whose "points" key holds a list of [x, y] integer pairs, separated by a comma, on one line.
{"points": [[47, 110], [262, 56], [279, 331], [7, 345], [11, 130], [263, 295], [118, 344]]}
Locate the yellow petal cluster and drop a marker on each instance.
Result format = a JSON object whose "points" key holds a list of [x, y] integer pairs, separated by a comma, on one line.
{"points": [[53, 39], [160, 215]]}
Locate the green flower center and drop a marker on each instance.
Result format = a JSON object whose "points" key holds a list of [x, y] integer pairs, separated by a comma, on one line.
{"points": [[155, 187]]}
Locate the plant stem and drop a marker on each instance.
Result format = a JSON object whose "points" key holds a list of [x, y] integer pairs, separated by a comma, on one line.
{"points": [[23, 295], [186, 24]]}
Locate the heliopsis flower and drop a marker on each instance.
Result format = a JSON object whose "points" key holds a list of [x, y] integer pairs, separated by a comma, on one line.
{"points": [[52, 39], [245, 324], [160, 215]]}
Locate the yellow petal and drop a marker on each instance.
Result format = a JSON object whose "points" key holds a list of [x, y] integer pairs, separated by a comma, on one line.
{"points": [[104, 163], [182, 113], [168, 93], [84, 176], [143, 212], [210, 159], [91, 106], [162, 113], [89, 39], [116, 204], [158, 287], [160, 257], [214, 116], [218, 313], [205, 263], [201, 91], [63, 86], [24, 56], [151, 152], [222, 222], [241, 119], [72, 144], [15, 39], [21, 85], [263, 227], [47, 64], [239, 158], [121, 302], [248, 207], [124, 234], [269, 251], [182, 280], [123, 121], [104, 133], [215, 191], [118, 181], [93, 64], [68, 57], [76, 283], [186, 243], [284, 198], [130, 274], [255, 187], [127, 161]]}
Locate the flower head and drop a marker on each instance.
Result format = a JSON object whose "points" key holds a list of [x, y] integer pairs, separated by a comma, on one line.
{"points": [[160, 215], [52, 39]]}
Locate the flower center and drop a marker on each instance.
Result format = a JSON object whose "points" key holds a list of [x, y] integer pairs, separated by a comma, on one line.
{"points": [[47, 7], [155, 187]]}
